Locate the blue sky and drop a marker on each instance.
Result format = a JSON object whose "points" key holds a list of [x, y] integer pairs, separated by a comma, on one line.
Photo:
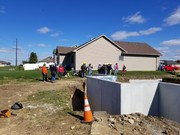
{"points": [[41, 25]]}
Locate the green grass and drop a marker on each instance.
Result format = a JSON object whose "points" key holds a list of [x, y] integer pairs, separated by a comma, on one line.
{"points": [[59, 98], [8, 74], [17, 74], [144, 73]]}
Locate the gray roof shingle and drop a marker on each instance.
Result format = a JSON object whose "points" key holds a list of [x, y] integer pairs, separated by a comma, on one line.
{"points": [[64, 50], [48, 59], [138, 48]]}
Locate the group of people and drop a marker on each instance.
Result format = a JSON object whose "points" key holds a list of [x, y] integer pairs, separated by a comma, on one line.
{"points": [[106, 69], [85, 68], [55, 70]]}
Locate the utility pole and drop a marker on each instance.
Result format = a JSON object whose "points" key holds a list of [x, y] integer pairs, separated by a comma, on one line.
{"points": [[16, 51]]}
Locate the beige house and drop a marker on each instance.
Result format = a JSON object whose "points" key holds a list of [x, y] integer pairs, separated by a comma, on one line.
{"points": [[136, 56]]}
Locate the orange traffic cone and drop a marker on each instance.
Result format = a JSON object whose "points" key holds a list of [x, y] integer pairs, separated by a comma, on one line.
{"points": [[88, 118]]}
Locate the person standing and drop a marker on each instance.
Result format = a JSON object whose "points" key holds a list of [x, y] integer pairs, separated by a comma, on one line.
{"points": [[61, 71], [44, 72], [99, 68], [116, 69], [89, 68], [109, 69], [53, 72], [123, 70], [83, 70]]}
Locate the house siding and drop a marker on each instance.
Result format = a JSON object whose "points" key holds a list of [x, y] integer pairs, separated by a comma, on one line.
{"points": [[102, 50], [140, 63], [61, 59], [99, 51]]}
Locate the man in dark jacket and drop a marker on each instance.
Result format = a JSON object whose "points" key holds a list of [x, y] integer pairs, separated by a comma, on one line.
{"points": [[83, 69], [53, 72]]}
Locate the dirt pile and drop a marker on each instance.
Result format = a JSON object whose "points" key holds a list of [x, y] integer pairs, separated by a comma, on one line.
{"points": [[133, 124]]}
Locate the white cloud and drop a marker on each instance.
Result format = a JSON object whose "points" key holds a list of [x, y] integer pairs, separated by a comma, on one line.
{"points": [[150, 31], [64, 40], [56, 34], [90, 36], [38, 45], [5, 50], [41, 45], [174, 18], [166, 53], [44, 30], [163, 50], [177, 56], [135, 18], [123, 35], [173, 42]]}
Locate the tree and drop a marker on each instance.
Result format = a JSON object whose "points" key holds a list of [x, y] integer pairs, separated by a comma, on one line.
{"points": [[8, 63], [33, 58]]}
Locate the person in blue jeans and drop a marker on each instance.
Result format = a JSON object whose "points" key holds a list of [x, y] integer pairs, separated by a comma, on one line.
{"points": [[53, 72], [89, 68], [83, 70], [116, 69]]}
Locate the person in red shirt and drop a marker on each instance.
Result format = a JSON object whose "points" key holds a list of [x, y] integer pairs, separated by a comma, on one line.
{"points": [[44, 72], [116, 69], [60, 71]]}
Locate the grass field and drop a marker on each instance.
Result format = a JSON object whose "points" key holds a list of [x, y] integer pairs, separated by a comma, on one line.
{"points": [[8, 74]]}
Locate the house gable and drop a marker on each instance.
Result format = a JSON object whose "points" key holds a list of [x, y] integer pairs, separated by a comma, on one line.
{"points": [[95, 39], [98, 51]]}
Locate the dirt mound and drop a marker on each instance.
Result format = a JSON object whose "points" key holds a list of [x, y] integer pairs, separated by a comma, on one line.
{"points": [[41, 118], [133, 124]]}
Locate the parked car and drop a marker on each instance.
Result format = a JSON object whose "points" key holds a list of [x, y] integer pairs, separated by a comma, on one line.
{"points": [[170, 68]]}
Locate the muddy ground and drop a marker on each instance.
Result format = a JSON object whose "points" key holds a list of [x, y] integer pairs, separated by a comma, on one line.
{"points": [[47, 119]]}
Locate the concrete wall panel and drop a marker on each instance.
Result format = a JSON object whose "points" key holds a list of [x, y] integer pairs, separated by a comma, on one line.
{"points": [[170, 101], [103, 95], [94, 93], [149, 97], [138, 96]]}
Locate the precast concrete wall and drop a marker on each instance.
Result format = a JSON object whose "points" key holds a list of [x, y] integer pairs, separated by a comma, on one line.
{"points": [[169, 101], [104, 95], [149, 97], [123, 98], [139, 96]]}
